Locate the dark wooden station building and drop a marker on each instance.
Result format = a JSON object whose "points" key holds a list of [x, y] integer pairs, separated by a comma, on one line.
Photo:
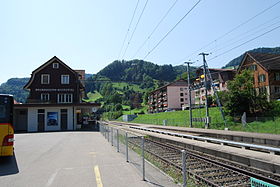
{"points": [[55, 99]]}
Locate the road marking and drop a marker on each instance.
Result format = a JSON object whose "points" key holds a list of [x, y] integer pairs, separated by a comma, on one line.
{"points": [[51, 179], [97, 176]]}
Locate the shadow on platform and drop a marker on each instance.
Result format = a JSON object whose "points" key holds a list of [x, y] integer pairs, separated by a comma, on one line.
{"points": [[8, 165]]}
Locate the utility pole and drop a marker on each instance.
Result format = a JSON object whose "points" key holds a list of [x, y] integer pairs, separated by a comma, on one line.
{"points": [[189, 89], [206, 91]]}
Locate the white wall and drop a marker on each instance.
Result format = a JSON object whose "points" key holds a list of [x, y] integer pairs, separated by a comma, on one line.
{"points": [[32, 118], [32, 124]]}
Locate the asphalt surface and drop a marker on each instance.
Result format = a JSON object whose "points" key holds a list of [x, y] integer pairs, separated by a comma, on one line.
{"points": [[67, 159]]}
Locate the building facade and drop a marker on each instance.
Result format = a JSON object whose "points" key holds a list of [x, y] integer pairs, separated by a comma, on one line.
{"points": [[266, 73], [55, 99], [220, 79], [171, 96]]}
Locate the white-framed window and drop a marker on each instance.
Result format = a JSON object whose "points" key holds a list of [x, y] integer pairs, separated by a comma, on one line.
{"points": [[45, 79], [253, 67], [64, 79], [55, 65], [64, 98], [45, 97], [262, 78]]}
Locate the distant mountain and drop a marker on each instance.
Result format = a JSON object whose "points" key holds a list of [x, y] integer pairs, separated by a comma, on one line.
{"points": [[87, 75], [236, 62], [14, 86]]}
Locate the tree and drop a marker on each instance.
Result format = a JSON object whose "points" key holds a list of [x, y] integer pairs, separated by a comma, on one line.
{"points": [[242, 97]]}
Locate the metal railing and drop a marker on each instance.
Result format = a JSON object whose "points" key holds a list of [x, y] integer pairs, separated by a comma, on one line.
{"points": [[272, 150], [120, 140]]}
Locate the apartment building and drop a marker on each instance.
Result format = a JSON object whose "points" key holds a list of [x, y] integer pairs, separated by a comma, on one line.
{"points": [[172, 96], [220, 79]]}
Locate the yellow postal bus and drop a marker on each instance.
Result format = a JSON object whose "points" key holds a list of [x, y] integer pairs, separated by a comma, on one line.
{"points": [[6, 125]]}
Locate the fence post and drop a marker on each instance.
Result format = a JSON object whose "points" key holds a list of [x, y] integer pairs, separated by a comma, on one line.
{"points": [[118, 145], [184, 171], [143, 157], [108, 134], [126, 146], [112, 136]]}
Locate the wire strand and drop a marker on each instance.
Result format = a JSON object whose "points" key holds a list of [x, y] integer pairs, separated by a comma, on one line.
{"points": [[252, 39], [171, 29], [233, 29], [128, 28], [135, 27], [156, 27]]}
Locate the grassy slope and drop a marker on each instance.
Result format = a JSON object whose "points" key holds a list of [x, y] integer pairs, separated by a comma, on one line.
{"points": [[121, 85], [92, 97], [181, 118], [135, 111]]}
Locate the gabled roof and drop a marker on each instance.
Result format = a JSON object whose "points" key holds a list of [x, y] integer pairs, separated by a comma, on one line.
{"points": [[265, 60], [46, 64]]}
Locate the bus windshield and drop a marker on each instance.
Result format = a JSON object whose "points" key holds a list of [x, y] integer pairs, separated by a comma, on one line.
{"points": [[5, 109]]}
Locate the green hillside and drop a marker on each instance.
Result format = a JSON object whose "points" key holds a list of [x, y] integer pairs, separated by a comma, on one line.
{"points": [[14, 86]]}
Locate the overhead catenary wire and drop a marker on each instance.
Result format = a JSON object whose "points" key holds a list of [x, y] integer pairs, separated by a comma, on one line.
{"points": [[156, 27], [129, 27], [252, 39], [161, 40], [247, 33], [233, 29], [142, 12]]}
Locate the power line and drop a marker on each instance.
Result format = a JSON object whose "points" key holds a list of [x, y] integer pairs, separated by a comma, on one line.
{"points": [[171, 30], [246, 42], [247, 32], [135, 28], [233, 29], [128, 28], [156, 27]]}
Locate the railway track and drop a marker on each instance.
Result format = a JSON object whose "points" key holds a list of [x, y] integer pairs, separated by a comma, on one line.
{"points": [[204, 168]]}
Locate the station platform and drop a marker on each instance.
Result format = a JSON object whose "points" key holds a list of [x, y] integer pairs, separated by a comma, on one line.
{"points": [[78, 158]]}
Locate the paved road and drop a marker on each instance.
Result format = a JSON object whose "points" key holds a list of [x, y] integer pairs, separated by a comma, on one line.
{"points": [[66, 159]]}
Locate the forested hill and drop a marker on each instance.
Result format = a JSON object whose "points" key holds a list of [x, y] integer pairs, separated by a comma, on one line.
{"points": [[14, 86], [138, 70], [235, 62]]}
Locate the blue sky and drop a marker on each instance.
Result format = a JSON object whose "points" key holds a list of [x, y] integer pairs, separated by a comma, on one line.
{"points": [[88, 34]]}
